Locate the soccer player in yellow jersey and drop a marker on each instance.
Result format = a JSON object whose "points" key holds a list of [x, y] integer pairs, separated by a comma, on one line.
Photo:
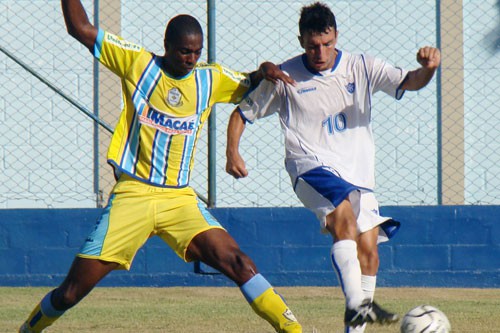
{"points": [[167, 99]]}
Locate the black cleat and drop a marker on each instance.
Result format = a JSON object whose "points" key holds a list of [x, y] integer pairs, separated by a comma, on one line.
{"points": [[363, 314], [384, 317], [369, 312]]}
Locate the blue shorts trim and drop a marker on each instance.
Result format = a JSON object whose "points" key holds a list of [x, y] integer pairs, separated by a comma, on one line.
{"points": [[95, 241], [328, 184]]}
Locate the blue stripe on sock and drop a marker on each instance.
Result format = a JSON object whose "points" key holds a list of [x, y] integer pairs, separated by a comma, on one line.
{"points": [[35, 319], [254, 287], [47, 308], [337, 269]]}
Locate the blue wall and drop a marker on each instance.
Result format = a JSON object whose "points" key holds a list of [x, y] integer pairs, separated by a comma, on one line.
{"points": [[450, 246]]}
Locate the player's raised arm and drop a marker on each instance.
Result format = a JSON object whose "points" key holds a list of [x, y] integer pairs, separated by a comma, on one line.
{"points": [[429, 58], [235, 165], [78, 24]]}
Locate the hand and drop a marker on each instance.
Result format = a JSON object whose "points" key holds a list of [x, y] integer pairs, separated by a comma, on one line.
{"points": [[273, 73], [235, 166], [429, 57]]}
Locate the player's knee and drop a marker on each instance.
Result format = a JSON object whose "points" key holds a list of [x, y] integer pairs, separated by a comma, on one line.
{"points": [[369, 259], [67, 297], [342, 229], [240, 261], [239, 266]]}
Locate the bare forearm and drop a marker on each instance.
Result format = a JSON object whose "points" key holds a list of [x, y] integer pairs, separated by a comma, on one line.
{"points": [[418, 78], [430, 58], [235, 129], [77, 23], [235, 165]]}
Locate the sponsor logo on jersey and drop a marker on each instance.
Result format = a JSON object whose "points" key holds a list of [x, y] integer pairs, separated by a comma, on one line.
{"points": [[112, 39], [201, 64], [306, 90], [350, 87], [174, 97], [236, 77], [168, 124]]}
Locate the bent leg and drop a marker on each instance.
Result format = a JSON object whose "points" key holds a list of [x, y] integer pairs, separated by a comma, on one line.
{"points": [[368, 259], [368, 252], [215, 247], [341, 223], [83, 275]]}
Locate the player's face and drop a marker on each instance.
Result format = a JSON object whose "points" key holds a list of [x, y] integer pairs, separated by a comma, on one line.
{"points": [[181, 56], [320, 49]]}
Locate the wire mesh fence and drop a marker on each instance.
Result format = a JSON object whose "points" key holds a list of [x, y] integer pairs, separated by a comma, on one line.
{"points": [[435, 146]]}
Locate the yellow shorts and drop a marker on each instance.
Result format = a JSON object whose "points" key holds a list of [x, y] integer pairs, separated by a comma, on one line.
{"points": [[137, 211]]}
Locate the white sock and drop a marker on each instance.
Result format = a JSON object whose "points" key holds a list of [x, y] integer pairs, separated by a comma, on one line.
{"points": [[344, 256], [368, 284]]}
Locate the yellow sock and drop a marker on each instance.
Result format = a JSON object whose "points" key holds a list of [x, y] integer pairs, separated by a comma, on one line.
{"points": [[272, 308], [270, 305], [43, 315]]}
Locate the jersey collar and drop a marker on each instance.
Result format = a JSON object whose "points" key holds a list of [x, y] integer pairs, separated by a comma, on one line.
{"points": [[159, 62], [325, 72]]}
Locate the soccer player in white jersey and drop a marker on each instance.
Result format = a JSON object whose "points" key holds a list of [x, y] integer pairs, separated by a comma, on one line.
{"points": [[330, 151], [167, 99]]}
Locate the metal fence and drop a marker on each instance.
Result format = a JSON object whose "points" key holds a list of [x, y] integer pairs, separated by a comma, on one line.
{"points": [[436, 146]]}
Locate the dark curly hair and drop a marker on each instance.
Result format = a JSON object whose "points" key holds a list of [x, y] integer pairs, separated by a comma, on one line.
{"points": [[316, 18], [181, 25]]}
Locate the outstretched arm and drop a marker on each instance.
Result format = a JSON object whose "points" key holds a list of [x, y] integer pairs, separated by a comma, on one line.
{"points": [[429, 58], [235, 165], [78, 24], [269, 71]]}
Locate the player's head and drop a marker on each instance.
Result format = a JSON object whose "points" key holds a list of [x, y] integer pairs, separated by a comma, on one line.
{"points": [[318, 35], [183, 44]]}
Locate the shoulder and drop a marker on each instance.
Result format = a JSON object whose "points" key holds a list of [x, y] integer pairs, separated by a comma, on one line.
{"points": [[295, 68], [118, 41], [215, 69], [218, 71], [354, 58], [200, 66], [358, 61], [293, 64]]}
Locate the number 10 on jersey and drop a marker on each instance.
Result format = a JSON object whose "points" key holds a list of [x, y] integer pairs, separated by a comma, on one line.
{"points": [[335, 123]]}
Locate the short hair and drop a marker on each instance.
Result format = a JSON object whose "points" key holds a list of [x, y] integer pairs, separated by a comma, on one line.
{"points": [[316, 18], [181, 25]]}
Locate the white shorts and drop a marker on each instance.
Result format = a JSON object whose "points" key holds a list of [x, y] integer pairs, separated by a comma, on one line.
{"points": [[321, 190]]}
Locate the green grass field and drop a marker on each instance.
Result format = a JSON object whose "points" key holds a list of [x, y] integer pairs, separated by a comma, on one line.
{"points": [[216, 310]]}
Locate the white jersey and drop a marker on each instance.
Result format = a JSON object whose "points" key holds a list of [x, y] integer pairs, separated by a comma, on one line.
{"points": [[326, 117]]}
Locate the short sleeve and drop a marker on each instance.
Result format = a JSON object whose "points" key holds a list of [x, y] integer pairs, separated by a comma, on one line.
{"points": [[384, 76], [263, 101], [231, 87], [115, 53]]}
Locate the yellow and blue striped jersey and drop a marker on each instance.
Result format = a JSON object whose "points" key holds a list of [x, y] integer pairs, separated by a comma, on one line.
{"points": [[162, 117]]}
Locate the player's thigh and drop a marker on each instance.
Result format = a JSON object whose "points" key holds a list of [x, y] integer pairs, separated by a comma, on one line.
{"points": [[180, 220], [124, 226], [367, 241], [214, 246], [327, 195]]}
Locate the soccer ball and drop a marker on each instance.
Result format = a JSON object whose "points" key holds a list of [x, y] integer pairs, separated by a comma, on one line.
{"points": [[425, 319]]}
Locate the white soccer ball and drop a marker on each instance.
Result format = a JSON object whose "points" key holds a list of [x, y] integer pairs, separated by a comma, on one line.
{"points": [[425, 319]]}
